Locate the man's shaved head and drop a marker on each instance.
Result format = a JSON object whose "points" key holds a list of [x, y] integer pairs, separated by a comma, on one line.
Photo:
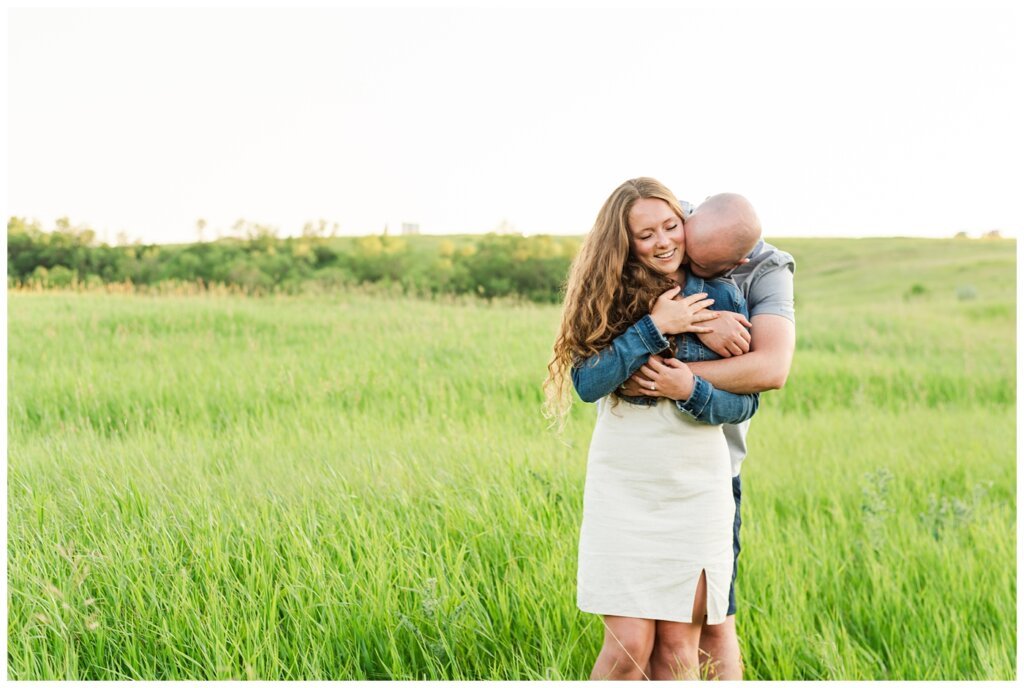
{"points": [[720, 233]]}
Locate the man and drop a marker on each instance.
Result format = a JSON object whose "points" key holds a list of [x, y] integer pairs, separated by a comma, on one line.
{"points": [[718, 238]]}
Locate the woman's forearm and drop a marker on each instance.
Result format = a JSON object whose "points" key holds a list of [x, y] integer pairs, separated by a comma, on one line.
{"points": [[599, 375]]}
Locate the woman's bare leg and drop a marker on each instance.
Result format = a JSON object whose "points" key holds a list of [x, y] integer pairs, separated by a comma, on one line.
{"points": [[627, 647], [720, 651], [676, 643]]}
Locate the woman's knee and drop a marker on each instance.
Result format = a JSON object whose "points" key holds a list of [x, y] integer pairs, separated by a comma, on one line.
{"points": [[672, 652], [631, 643], [629, 651], [676, 642], [622, 662], [675, 661]]}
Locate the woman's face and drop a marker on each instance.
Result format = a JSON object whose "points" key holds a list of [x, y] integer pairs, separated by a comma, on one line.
{"points": [[656, 236]]}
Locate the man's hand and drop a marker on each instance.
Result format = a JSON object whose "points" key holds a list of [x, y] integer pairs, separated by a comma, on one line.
{"points": [[729, 334], [661, 377], [639, 385]]}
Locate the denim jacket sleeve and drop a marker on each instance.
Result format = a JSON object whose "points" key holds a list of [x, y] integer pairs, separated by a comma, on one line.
{"points": [[714, 406], [600, 374], [707, 403]]}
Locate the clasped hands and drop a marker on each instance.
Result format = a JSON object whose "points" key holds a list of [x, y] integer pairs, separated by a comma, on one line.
{"points": [[660, 377], [724, 332]]}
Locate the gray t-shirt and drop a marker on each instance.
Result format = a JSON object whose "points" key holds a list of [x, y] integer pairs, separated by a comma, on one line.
{"points": [[767, 284]]}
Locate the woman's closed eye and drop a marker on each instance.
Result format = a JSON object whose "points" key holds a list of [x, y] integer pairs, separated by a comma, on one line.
{"points": [[647, 235]]}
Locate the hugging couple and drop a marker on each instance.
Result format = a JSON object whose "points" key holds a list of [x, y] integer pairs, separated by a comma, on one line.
{"points": [[674, 320]]}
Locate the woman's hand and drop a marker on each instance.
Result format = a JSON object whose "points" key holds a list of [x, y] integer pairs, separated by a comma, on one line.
{"points": [[675, 316], [661, 377]]}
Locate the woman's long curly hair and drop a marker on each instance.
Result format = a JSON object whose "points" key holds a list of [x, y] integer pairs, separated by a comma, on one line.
{"points": [[607, 291]]}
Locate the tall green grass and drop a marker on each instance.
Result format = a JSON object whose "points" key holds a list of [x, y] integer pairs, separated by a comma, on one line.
{"points": [[342, 487]]}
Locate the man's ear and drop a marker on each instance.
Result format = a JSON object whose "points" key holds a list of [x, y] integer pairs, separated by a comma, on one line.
{"points": [[742, 262]]}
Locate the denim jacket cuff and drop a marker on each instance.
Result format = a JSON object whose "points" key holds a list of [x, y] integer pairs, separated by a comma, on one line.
{"points": [[699, 397], [651, 337]]}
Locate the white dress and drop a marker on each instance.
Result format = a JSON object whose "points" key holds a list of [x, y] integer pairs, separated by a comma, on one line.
{"points": [[657, 509]]}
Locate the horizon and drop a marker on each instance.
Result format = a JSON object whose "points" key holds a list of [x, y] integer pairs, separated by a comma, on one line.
{"points": [[233, 235]]}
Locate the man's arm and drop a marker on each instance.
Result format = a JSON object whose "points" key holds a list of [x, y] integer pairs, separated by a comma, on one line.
{"points": [[764, 367]]}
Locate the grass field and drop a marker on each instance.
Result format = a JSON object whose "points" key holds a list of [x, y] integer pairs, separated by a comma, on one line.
{"points": [[341, 487]]}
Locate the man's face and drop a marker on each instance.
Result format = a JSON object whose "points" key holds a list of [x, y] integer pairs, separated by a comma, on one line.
{"points": [[708, 258]]}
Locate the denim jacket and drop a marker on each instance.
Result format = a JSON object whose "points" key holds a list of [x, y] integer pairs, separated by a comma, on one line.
{"points": [[603, 373]]}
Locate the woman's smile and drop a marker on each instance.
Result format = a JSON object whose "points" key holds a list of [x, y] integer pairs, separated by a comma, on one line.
{"points": [[657, 236]]}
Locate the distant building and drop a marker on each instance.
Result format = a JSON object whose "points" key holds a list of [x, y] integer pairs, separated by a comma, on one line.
{"points": [[410, 228], [505, 227]]}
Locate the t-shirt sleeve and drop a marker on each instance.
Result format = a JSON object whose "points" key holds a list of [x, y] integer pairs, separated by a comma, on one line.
{"points": [[771, 291]]}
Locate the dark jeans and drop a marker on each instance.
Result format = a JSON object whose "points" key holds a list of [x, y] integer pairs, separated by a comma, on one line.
{"points": [[735, 544]]}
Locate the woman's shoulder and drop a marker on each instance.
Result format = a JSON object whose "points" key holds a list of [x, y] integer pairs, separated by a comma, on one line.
{"points": [[722, 289], [724, 285]]}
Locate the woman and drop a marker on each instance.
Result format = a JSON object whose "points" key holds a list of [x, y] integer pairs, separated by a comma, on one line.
{"points": [[655, 551]]}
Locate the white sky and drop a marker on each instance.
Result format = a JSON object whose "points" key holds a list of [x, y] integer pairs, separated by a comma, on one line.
{"points": [[833, 122]]}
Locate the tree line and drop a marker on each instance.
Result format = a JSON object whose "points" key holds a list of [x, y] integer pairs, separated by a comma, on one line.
{"points": [[259, 262]]}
